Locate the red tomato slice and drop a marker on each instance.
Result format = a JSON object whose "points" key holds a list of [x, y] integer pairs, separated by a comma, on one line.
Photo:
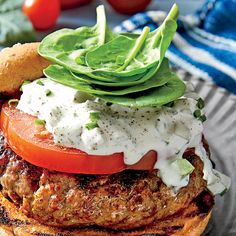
{"points": [[147, 162], [25, 139], [20, 129]]}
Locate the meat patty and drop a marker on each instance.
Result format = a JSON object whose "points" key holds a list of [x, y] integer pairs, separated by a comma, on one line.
{"points": [[120, 201]]}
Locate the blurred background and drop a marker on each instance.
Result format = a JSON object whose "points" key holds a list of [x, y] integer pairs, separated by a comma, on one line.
{"points": [[46, 16], [85, 15]]}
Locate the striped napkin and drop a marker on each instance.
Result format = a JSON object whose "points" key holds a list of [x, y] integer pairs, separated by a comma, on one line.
{"points": [[205, 44]]}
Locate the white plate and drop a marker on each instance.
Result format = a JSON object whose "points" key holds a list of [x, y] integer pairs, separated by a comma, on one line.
{"points": [[220, 131]]}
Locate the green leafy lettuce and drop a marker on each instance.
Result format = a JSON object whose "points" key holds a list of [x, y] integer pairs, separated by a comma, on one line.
{"points": [[130, 69]]}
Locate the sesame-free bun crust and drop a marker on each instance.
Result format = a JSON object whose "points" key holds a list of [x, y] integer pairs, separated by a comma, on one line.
{"points": [[15, 223], [19, 63]]}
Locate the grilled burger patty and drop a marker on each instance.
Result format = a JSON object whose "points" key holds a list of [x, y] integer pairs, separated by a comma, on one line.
{"points": [[120, 201]]}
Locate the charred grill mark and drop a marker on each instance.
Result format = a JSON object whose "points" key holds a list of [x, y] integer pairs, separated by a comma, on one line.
{"points": [[190, 155], [111, 232], [2, 144], [4, 159], [155, 235], [128, 178], [5, 153], [125, 178], [204, 202], [41, 234], [172, 229], [5, 219], [85, 180], [4, 96]]}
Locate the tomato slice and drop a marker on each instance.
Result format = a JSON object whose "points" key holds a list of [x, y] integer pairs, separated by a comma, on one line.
{"points": [[24, 138], [147, 162], [20, 129]]}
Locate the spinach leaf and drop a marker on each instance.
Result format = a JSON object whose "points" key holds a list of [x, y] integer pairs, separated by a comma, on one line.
{"points": [[125, 81], [68, 47], [110, 55], [119, 82], [61, 75], [153, 50], [159, 96], [14, 26], [117, 54], [130, 69], [101, 76], [120, 56]]}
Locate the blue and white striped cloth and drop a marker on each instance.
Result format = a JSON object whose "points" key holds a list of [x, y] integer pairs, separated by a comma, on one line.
{"points": [[205, 44]]}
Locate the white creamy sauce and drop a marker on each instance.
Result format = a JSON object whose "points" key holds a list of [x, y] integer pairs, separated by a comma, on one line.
{"points": [[133, 131]]}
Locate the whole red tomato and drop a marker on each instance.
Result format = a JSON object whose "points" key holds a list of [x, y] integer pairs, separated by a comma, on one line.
{"points": [[66, 4], [42, 13], [129, 6]]}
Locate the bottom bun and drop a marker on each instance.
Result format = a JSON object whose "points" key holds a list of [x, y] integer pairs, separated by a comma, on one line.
{"points": [[190, 222]]}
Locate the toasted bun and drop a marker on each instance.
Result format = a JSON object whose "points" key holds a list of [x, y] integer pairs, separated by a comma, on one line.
{"points": [[15, 223], [19, 63]]}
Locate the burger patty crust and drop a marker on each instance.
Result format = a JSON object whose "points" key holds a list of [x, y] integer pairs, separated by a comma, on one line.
{"points": [[120, 201]]}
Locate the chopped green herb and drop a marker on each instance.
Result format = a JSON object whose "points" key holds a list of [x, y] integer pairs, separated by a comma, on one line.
{"points": [[48, 92], [185, 167], [202, 118], [24, 83], [224, 192], [40, 122], [91, 125], [13, 102], [200, 103], [94, 117], [197, 113], [39, 82]]}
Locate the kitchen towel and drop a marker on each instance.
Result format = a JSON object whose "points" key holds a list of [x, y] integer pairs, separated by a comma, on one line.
{"points": [[205, 42]]}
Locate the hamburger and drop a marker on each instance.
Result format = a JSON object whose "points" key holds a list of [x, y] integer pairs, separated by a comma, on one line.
{"points": [[100, 137]]}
